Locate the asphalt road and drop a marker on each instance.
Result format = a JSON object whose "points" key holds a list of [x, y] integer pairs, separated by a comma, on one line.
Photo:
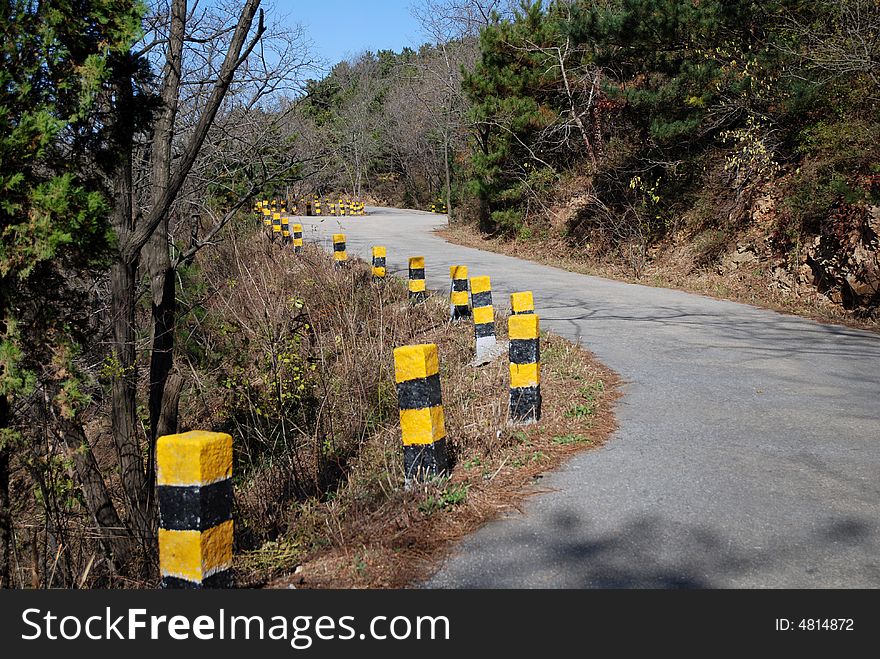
{"points": [[748, 453]]}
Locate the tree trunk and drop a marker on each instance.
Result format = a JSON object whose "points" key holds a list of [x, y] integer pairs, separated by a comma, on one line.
{"points": [[114, 535], [123, 399], [156, 252], [167, 421]]}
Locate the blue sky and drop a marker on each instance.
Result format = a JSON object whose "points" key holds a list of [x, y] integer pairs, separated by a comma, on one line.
{"points": [[340, 28]]}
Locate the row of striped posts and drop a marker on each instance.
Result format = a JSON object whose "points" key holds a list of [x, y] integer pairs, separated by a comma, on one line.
{"points": [[194, 469], [313, 206]]}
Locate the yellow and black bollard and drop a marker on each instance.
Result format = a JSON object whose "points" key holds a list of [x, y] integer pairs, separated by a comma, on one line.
{"points": [[422, 427], [340, 256], [194, 490], [267, 216], [276, 225], [525, 369], [285, 229], [522, 303], [379, 269], [459, 306], [484, 318], [297, 238], [417, 291]]}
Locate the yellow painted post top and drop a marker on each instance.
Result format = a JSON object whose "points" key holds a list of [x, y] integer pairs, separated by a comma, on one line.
{"points": [[522, 301], [298, 228], [416, 361], [379, 251], [480, 285], [523, 327], [338, 237], [276, 216], [416, 262], [197, 457], [458, 272]]}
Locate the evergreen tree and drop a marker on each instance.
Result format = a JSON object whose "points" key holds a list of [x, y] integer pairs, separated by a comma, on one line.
{"points": [[53, 211]]}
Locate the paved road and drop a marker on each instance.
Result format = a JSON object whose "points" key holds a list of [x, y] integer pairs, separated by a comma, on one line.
{"points": [[748, 453]]}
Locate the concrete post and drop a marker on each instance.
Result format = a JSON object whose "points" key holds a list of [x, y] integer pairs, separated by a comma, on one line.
{"points": [[417, 375], [194, 489]]}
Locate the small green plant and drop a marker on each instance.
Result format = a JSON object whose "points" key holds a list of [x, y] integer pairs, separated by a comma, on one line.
{"points": [[451, 496], [473, 462], [566, 440], [581, 411]]}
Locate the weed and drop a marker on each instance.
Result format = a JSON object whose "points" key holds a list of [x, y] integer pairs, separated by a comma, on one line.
{"points": [[581, 411], [567, 440]]}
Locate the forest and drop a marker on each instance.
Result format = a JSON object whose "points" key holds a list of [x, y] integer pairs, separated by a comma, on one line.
{"points": [[134, 137]]}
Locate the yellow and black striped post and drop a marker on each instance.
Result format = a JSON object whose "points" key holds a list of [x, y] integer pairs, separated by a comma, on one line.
{"points": [[340, 256], [379, 269], [417, 375], [317, 206], [194, 489], [297, 238], [285, 228], [484, 317], [417, 291], [341, 207], [276, 224], [267, 216], [522, 303], [525, 369], [459, 305]]}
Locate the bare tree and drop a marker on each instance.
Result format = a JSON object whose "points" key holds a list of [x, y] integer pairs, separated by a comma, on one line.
{"points": [[214, 66]]}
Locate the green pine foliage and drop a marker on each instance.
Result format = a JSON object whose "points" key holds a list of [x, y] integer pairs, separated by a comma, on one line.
{"points": [[53, 209]]}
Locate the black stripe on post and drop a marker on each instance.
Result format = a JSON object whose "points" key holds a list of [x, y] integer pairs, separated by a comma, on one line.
{"points": [[525, 404], [419, 393], [379, 261], [338, 247], [460, 285], [525, 351], [196, 507], [483, 330], [416, 273], [421, 460], [298, 234], [222, 579], [481, 299]]}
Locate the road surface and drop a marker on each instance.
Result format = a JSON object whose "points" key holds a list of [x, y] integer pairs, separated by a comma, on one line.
{"points": [[748, 453]]}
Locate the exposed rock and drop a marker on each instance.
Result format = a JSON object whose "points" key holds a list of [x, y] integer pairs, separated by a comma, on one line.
{"points": [[847, 268]]}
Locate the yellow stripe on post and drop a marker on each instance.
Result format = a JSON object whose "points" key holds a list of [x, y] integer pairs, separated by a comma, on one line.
{"points": [[525, 375], [423, 426], [196, 555], [483, 315], [523, 327]]}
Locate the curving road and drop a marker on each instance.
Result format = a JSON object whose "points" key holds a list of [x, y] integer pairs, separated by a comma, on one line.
{"points": [[748, 453]]}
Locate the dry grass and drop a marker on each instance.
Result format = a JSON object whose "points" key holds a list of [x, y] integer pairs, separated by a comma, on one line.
{"points": [[670, 268], [320, 500]]}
